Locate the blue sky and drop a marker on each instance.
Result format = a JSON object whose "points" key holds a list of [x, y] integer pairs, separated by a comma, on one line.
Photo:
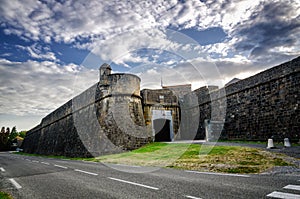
{"points": [[51, 50]]}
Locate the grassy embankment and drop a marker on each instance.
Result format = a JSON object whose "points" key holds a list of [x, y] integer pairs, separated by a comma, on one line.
{"points": [[228, 159]]}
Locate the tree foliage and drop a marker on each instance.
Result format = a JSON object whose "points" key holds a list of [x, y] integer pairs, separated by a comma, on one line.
{"points": [[22, 134], [8, 137], [4, 137], [13, 134]]}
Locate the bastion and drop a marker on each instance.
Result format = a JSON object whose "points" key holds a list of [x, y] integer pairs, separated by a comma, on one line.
{"points": [[106, 118]]}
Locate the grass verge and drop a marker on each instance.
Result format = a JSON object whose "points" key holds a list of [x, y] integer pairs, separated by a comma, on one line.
{"points": [[4, 195], [228, 159]]}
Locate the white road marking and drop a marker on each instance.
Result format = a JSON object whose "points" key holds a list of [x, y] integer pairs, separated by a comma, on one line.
{"points": [[192, 197], [133, 183], [95, 174], [27, 159], [56, 165], [35, 161], [293, 187], [2, 169], [221, 174], [282, 195], [45, 163], [17, 185]]}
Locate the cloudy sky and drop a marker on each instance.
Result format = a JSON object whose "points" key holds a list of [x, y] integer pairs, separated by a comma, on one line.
{"points": [[51, 49]]}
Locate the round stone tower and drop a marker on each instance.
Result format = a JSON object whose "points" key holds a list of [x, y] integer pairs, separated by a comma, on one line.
{"points": [[104, 71], [106, 118], [120, 112]]}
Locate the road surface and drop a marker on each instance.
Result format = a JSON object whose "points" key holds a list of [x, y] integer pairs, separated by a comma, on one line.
{"points": [[38, 177]]}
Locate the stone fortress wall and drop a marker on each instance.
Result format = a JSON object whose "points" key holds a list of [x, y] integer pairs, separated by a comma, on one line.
{"points": [[114, 115], [263, 106], [106, 118]]}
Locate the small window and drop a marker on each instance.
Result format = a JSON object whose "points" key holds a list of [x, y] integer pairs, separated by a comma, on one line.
{"points": [[161, 97]]}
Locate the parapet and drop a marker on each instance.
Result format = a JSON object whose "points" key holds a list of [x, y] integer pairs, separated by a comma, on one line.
{"points": [[124, 84]]}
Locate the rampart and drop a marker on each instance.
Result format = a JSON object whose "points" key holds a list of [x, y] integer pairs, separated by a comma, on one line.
{"points": [[263, 106], [114, 116], [106, 118]]}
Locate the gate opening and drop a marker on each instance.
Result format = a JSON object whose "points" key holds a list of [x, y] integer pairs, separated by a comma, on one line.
{"points": [[162, 130], [162, 126]]}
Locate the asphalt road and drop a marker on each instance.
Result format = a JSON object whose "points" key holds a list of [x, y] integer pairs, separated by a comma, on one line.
{"points": [[37, 177]]}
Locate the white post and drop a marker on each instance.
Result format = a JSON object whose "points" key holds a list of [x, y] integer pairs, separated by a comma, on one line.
{"points": [[287, 142], [270, 144]]}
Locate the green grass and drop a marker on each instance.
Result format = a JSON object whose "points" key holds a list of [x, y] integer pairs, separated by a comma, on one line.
{"points": [[150, 147], [228, 159], [158, 154], [4, 195]]}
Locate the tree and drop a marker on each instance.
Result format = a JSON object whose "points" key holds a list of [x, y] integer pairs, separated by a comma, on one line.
{"points": [[9, 139], [7, 131], [13, 134], [22, 134], [4, 137]]}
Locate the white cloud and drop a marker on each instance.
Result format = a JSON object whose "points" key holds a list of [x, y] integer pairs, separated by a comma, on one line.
{"points": [[38, 52], [258, 31], [99, 21], [71, 19], [119, 48], [236, 12], [37, 88], [195, 72]]}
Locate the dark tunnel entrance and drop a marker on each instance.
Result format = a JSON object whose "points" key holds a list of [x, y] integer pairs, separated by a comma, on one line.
{"points": [[162, 130]]}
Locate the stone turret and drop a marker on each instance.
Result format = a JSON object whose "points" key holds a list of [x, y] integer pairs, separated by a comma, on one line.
{"points": [[104, 71]]}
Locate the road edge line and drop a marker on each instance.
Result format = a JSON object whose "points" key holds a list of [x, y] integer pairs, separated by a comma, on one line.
{"points": [[220, 174], [134, 183], [17, 185], [56, 165], [191, 197], [95, 174]]}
